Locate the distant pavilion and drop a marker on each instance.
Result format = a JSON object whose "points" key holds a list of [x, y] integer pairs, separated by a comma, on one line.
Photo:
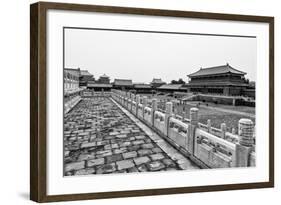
{"points": [[104, 79], [223, 79], [157, 82]]}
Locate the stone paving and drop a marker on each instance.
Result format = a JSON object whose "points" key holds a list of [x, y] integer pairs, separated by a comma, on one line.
{"points": [[101, 138]]}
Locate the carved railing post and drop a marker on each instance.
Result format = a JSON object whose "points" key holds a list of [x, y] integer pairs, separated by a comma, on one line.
{"points": [[131, 102], [153, 109], [137, 103], [245, 142], [123, 97], [223, 130], [169, 113], [127, 100], [193, 126], [144, 104], [209, 125]]}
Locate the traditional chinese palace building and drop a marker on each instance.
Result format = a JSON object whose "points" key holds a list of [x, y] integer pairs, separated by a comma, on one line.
{"points": [[104, 79], [123, 84], [85, 77], [157, 82], [223, 79], [99, 86]]}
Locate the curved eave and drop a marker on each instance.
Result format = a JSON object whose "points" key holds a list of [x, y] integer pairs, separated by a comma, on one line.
{"points": [[216, 74]]}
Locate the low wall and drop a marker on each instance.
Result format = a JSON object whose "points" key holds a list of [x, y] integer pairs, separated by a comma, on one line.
{"points": [[214, 151], [225, 100], [90, 93], [193, 139], [179, 133], [214, 99]]}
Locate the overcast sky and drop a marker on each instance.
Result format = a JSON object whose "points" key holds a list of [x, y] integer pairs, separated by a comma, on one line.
{"points": [[142, 56]]}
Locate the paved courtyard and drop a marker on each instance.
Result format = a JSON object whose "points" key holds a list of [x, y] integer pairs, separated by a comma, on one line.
{"points": [[100, 137]]}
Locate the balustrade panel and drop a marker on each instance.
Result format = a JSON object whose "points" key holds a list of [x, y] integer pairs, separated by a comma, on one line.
{"points": [[214, 151]]}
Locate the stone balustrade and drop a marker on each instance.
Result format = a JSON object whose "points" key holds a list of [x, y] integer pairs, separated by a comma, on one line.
{"points": [[71, 98], [196, 140], [92, 93], [71, 102]]}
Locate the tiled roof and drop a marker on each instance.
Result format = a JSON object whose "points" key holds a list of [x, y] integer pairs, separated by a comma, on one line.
{"points": [[216, 70], [85, 72], [142, 85], [171, 86], [157, 80], [72, 71], [99, 85], [123, 82], [104, 76], [216, 83]]}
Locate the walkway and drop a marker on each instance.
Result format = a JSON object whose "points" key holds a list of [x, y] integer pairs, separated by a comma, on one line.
{"points": [[101, 137]]}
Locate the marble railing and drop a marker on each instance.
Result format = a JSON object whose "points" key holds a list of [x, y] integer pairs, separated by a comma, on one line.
{"points": [[197, 141]]}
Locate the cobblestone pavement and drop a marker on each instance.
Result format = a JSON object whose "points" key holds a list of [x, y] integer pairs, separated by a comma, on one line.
{"points": [[101, 138]]}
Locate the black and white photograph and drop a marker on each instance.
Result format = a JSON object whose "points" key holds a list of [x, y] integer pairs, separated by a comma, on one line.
{"points": [[136, 101], [153, 101]]}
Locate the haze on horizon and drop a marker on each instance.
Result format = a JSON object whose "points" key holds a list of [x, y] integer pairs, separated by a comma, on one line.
{"points": [[143, 56]]}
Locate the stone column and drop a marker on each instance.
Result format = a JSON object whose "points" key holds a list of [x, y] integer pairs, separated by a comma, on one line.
{"points": [[168, 114], [153, 109], [245, 142], [192, 129]]}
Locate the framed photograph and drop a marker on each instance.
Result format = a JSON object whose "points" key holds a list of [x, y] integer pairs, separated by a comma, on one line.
{"points": [[135, 102]]}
